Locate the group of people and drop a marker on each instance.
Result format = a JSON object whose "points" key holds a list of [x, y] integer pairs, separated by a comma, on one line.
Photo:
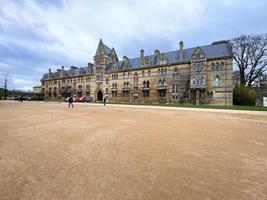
{"points": [[70, 100]]}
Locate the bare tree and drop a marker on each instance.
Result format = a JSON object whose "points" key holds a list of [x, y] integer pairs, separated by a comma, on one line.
{"points": [[4, 84], [250, 56]]}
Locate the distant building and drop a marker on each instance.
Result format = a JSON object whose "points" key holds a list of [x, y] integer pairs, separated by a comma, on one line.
{"points": [[37, 89], [195, 75]]}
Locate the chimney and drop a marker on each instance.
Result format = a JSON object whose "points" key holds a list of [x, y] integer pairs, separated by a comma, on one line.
{"points": [[181, 55], [125, 59], [156, 52], [142, 57], [49, 73], [62, 71]]}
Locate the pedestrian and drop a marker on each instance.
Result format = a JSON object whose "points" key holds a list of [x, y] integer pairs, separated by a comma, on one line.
{"points": [[105, 99], [70, 101]]}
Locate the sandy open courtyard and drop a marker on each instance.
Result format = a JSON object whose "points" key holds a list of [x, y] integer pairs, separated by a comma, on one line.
{"points": [[48, 151]]}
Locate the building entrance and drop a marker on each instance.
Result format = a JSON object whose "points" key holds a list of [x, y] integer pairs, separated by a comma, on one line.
{"points": [[99, 96]]}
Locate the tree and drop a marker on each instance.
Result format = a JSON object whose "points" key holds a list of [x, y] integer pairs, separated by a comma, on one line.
{"points": [[5, 85], [244, 96], [250, 56]]}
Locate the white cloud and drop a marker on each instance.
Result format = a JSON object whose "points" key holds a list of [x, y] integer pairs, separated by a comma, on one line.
{"points": [[80, 24]]}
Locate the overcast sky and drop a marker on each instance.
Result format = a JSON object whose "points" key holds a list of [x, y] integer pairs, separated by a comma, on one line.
{"points": [[39, 34]]}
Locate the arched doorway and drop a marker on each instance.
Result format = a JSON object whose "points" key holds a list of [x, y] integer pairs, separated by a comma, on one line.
{"points": [[99, 95]]}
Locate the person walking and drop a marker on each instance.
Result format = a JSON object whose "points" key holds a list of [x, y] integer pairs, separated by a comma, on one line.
{"points": [[71, 101], [105, 99]]}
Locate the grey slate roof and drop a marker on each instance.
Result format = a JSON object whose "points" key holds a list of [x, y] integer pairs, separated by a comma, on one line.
{"points": [[69, 73], [107, 49], [216, 50], [211, 51]]}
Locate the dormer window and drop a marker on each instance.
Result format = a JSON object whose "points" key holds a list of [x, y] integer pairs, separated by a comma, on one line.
{"points": [[147, 62], [163, 60], [198, 54]]}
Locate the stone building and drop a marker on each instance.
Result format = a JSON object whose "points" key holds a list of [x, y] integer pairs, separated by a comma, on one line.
{"points": [[37, 89], [200, 75]]}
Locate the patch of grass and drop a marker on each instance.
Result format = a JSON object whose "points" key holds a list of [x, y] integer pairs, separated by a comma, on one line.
{"points": [[235, 107]]}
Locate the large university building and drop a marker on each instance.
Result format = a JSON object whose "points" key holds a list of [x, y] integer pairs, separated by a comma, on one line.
{"points": [[200, 75]]}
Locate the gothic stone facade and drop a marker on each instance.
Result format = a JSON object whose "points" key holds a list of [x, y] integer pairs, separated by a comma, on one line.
{"points": [[200, 75]]}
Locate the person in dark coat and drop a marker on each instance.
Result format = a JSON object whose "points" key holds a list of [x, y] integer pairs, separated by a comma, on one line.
{"points": [[71, 101], [105, 99], [21, 99]]}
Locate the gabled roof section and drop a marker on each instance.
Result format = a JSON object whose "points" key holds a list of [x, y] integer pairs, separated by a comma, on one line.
{"points": [[103, 49]]}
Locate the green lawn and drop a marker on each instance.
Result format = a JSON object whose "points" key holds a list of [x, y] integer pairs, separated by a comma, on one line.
{"points": [[255, 108]]}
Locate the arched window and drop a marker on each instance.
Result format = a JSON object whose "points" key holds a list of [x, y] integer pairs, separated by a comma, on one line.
{"points": [[217, 66], [212, 66], [210, 95], [175, 74], [135, 81], [216, 81], [147, 83], [222, 65], [160, 82]]}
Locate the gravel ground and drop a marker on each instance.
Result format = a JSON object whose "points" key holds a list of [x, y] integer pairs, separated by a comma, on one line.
{"points": [[50, 151]]}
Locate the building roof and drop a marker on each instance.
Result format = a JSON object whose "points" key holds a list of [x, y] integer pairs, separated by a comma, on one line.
{"points": [[216, 50]]}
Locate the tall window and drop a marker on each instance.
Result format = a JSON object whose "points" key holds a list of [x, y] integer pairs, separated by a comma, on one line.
{"points": [[175, 74], [162, 93], [136, 84], [175, 88], [146, 93], [114, 93], [162, 83], [216, 81]]}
